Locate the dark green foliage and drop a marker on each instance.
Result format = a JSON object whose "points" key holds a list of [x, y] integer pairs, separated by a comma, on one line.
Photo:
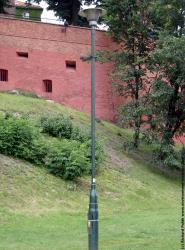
{"points": [[168, 92], [159, 101], [19, 138], [57, 126], [4, 4], [149, 137], [68, 10], [38, 151], [67, 158], [62, 127], [16, 137], [168, 15], [80, 134], [167, 156], [130, 26], [183, 156], [167, 99]]}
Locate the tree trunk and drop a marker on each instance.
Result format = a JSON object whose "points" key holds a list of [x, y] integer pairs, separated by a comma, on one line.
{"points": [[172, 117], [75, 10], [138, 118], [137, 133], [172, 122]]}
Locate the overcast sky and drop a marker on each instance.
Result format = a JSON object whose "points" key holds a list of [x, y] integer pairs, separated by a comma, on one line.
{"points": [[47, 14]]}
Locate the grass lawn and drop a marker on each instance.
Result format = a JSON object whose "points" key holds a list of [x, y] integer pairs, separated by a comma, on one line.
{"points": [[139, 206], [136, 230]]}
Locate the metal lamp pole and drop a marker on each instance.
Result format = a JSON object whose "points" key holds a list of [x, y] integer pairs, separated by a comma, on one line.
{"points": [[93, 203], [92, 15]]}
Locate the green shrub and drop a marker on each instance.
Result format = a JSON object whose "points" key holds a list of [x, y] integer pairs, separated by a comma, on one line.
{"points": [[16, 137], [80, 134], [38, 151], [167, 156], [19, 138], [62, 127], [57, 126], [67, 159]]}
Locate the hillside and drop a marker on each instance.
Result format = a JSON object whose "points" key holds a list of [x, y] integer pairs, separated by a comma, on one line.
{"points": [[139, 206]]}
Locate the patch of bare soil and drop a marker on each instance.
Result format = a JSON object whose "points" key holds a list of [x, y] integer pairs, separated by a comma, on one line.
{"points": [[113, 160]]}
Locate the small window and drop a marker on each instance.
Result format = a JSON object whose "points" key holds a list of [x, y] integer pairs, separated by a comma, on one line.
{"points": [[47, 85], [26, 14], [71, 65], [22, 54], [3, 75]]}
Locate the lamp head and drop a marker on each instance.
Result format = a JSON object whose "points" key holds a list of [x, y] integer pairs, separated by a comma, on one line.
{"points": [[92, 15]]}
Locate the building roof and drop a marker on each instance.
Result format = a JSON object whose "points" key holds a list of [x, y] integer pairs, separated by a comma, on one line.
{"points": [[22, 4]]}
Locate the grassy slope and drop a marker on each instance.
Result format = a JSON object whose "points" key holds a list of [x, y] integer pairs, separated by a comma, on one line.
{"points": [[139, 207]]}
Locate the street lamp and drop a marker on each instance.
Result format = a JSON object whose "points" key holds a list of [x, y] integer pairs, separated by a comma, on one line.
{"points": [[92, 15]]}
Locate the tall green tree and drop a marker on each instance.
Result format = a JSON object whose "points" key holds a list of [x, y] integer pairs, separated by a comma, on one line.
{"points": [[169, 15], [131, 27], [168, 92], [4, 4], [65, 9], [68, 10], [168, 87]]}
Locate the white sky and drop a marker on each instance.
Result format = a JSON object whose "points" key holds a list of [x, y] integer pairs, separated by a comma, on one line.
{"points": [[48, 14]]}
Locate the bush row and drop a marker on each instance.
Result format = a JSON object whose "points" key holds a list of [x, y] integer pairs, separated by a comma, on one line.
{"points": [[66, 157], [61, 126]]}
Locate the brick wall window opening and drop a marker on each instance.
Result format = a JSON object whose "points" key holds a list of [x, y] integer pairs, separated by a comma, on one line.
{"points": [[47, 86], [4, 75], [22, 54], [71, 65]]}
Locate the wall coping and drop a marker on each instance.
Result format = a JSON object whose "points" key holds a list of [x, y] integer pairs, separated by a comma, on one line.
{"points": [[3, 16]]}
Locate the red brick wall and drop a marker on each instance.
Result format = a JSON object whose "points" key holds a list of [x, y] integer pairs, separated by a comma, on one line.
{"points": [[48, 47]]}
